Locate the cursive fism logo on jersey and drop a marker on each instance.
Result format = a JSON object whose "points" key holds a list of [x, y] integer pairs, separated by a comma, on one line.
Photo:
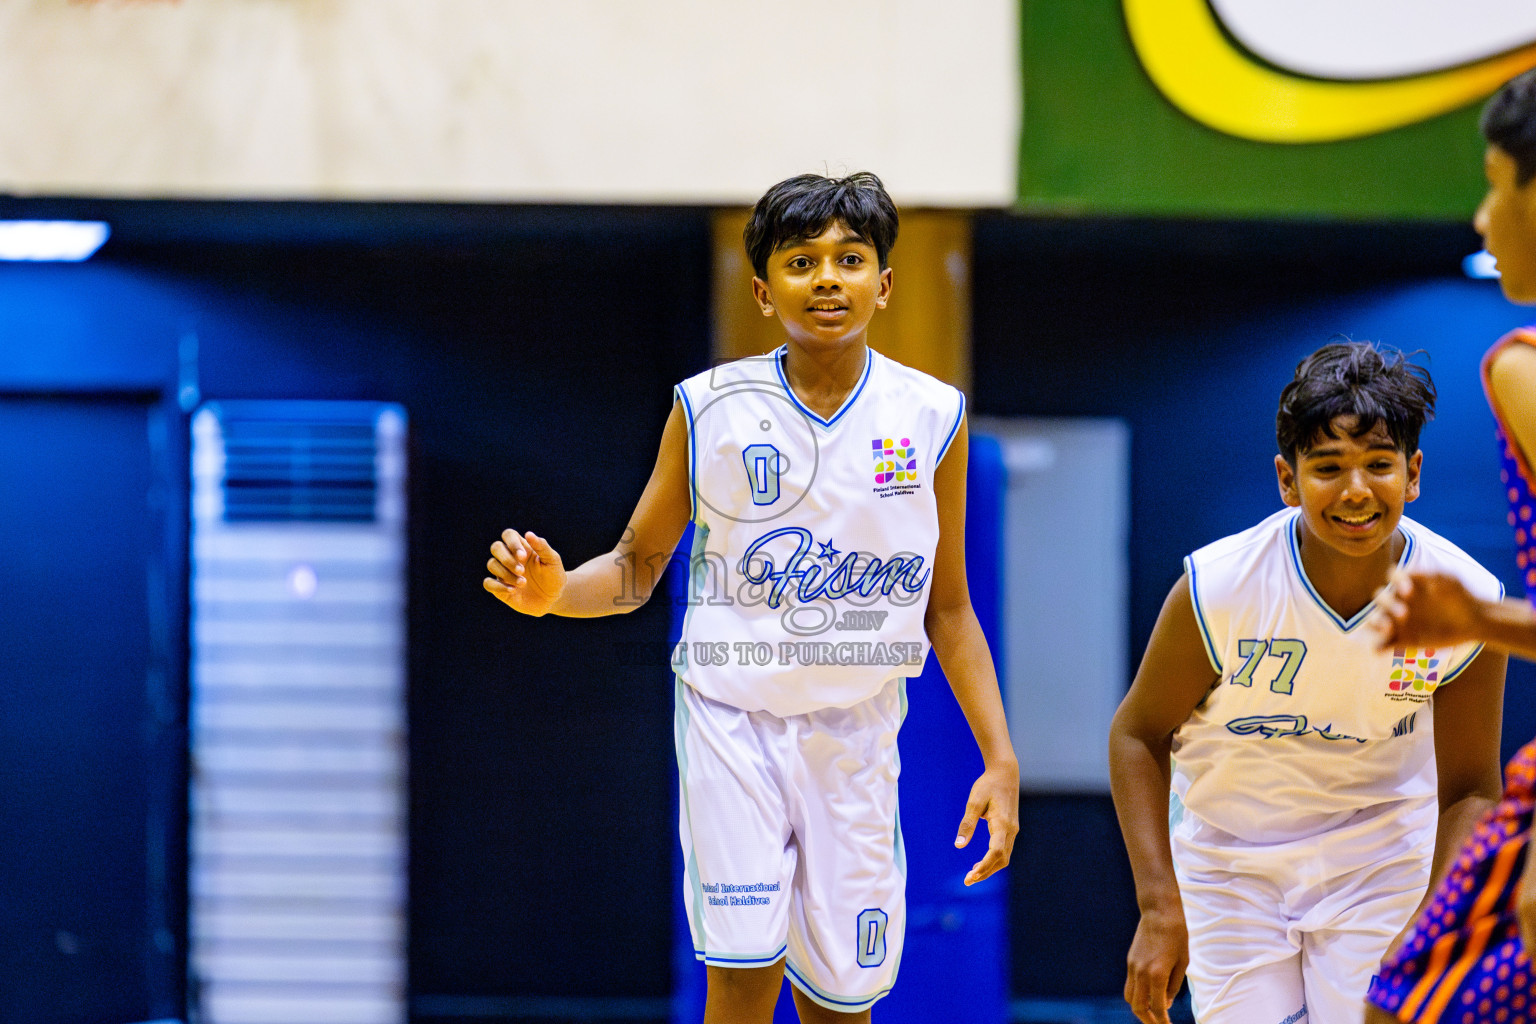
{"points": [[1324, 70], [828, 572]]}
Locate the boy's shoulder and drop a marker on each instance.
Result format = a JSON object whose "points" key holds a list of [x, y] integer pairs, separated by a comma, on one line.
{"points": [[897, 375], [1256, 541], [753, 370], [1434, 553], [1222, 573]]}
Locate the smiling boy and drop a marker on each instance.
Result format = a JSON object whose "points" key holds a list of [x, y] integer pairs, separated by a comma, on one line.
{"points": [[1318, 784], [820, 477]]}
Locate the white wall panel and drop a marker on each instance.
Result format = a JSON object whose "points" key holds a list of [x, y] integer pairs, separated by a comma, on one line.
{"points": [[682, 101], [1066, 584]]}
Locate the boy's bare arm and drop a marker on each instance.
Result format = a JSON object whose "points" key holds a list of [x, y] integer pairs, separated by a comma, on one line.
{"points": [[527, 574], [1512, 386], [1174, 676], [962, 651], [1468, 719]]}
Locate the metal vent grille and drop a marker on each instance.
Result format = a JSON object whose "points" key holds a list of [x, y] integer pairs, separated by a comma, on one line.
{"points": [[298, 461], [298, 823]]}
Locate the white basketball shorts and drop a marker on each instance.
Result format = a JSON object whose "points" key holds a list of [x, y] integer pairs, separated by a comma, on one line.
{"points": [[1291, 932], [791, 842]]}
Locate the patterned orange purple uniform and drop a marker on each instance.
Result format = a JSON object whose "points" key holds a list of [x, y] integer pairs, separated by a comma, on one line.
{"points": [[1463, 962]]}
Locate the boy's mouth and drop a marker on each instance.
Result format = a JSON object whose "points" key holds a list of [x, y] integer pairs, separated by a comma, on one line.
{"points": [[828, 310], [1360, 521]]}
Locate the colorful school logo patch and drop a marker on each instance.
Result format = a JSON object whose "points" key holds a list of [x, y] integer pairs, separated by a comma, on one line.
{"points": [[895, 461], [1415, 673]]}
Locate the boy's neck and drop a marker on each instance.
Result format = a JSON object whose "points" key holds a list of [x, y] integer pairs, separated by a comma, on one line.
{"points": [[822, 380], [1347, 583]]}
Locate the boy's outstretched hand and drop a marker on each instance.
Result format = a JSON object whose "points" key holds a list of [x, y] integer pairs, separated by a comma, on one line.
{"points": [[1416, 609], [995, 797], [528, 574]]}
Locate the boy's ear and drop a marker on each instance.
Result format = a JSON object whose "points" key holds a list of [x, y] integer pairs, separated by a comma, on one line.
{"points": [[1286, 476], [886, 277], [1415, 464], [761, 295]]}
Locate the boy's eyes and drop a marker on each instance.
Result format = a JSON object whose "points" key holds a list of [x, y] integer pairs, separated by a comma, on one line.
{"points": [[851, 259], [1379, 466]]}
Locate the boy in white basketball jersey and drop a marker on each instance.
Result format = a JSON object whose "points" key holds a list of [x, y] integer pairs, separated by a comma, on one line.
{"points": [[826, 485], [1318, 784]]}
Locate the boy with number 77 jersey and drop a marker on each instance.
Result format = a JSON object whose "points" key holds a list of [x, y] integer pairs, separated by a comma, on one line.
{"points": [[1318, 784]]}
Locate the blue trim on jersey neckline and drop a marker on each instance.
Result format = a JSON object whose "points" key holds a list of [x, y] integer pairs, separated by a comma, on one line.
{"points": [[1360, 616], [778, 367]]}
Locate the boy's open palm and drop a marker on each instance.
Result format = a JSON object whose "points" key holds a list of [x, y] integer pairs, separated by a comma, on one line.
{"points": [[526, 573]]}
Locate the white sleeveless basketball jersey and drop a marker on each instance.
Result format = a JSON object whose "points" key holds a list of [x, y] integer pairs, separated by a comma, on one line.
{"points": [[813, 538], [1310, 723]]}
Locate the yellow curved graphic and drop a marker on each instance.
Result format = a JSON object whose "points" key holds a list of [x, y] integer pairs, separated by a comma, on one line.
{"points": [[1184, 52]]}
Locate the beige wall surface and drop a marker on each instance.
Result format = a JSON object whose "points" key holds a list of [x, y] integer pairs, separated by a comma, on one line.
{"points": [[671, 101]]}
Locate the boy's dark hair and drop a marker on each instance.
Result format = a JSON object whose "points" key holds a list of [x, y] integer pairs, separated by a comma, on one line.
{"points": [[1509, 122], [1354, 378], [801, 207]]}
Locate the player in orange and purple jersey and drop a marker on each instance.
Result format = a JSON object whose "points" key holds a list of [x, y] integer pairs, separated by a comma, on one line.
{"points": [[1466, 958]]}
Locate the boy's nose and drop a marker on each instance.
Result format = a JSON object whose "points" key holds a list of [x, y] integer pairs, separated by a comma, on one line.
{"points": [[1355, 486]]}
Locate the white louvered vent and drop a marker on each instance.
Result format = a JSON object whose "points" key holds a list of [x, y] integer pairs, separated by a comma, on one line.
{"points": [[298, 713]]}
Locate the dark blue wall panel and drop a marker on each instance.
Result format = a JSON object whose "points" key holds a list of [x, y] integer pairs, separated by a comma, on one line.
{"points": [[90, 743]]}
